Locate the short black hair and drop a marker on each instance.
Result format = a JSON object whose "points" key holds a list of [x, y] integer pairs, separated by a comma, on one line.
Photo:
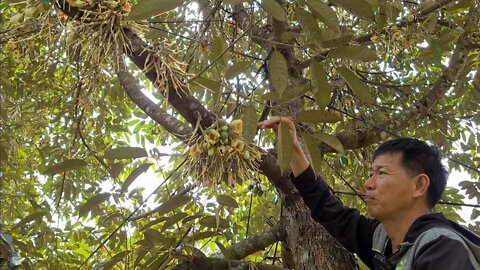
{"points": [[419, 157]]}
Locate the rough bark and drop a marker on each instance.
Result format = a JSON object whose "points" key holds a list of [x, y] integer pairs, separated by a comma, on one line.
{"points": [[183, 102], [311, 245], [159, 115], [205, 263], [258, 242]]}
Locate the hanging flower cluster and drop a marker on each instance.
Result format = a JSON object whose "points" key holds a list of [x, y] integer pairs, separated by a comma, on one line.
{"points": [[221, 155]]}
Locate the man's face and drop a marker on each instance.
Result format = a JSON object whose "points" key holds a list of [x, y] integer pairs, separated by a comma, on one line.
{"points": [[390, 188]]}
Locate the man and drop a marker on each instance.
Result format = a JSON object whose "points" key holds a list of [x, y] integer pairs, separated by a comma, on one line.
{"points": [[406, 181]]}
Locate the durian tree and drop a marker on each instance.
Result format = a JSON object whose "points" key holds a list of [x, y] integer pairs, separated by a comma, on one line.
{"points": [[96, 95]]}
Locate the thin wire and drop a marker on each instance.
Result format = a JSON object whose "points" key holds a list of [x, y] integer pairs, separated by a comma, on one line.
{"points": [[346, 182], [440, 202], [131, 214], [249, 213]]}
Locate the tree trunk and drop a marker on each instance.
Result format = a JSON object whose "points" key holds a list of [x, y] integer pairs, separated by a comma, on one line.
{"points": [[311, 245]]}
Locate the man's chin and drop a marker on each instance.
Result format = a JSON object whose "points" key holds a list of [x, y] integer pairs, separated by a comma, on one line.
{"points": [[372, 213]]}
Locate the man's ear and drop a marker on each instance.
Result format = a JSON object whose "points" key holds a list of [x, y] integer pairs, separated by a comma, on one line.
{"points": [[422, 182]]}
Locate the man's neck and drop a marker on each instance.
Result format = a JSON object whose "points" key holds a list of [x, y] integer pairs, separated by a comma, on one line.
{"points": [[398, 226]]}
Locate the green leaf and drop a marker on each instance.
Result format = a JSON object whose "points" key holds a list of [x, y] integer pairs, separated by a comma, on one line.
{"points": [[360, 53], [219, 51], [236, 69], [192, 217], [173, 203], [110, 263], [476, 79], [310, 24], [331, 140], [250, 122], [29, 218], [315, 154], [135, 173], [125, 153], [275, 9], [284, 147], [292, 94], [322, 90], [212, 85], [173, 219], [201, 235], [153, 222], [233, 2], [278, 71], [224, 250], [92, 202], [227, 201], [359, 88], [287, 36], [154, 236], [316, 116], [325, 14], [67, 165], [333, 39], [360, 8], [475, 214], [115, 169], [214, 222], [148, 8]]}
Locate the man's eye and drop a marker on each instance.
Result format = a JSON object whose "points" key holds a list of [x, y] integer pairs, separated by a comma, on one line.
{"points": [[382, 172]]}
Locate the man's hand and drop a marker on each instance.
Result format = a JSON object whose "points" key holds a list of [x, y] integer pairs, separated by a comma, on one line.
{"points": [[299, 162]]}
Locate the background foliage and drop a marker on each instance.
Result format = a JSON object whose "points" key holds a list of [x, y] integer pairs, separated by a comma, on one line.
{"points": [[73, 143]]}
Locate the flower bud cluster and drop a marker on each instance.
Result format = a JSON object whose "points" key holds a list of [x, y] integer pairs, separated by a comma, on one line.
{"points": [[222, 149]]}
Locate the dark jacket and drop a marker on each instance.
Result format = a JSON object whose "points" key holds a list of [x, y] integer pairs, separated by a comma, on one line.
{"points": [[355, 231]]}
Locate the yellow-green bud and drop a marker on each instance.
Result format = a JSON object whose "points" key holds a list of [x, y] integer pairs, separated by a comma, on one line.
{"points": [[225, 128], [222, 122], [80, 4], [42, 7], [211, 152], [71, 38], [30, 12], [17, 18], [224, 135], [111, 4]]}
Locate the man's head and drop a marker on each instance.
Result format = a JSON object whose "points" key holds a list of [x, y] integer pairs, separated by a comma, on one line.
{"points": [[417, 157]]}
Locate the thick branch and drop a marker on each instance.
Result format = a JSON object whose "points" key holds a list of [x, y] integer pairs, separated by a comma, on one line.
{"points": [[258, 242], [260, 34], [159, 115], [205, 263], [187, 105]]}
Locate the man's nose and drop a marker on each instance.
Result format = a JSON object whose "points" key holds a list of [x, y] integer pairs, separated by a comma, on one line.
{"points": [[370, 183]]}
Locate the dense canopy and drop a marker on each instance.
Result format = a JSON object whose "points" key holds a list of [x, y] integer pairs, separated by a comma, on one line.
{"points": [[121, 142]]}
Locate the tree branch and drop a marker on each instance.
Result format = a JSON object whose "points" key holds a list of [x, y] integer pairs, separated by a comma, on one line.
{"points": [[159, 115], [414, 114], [258, 242], [186, 104], [206, 263]]}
